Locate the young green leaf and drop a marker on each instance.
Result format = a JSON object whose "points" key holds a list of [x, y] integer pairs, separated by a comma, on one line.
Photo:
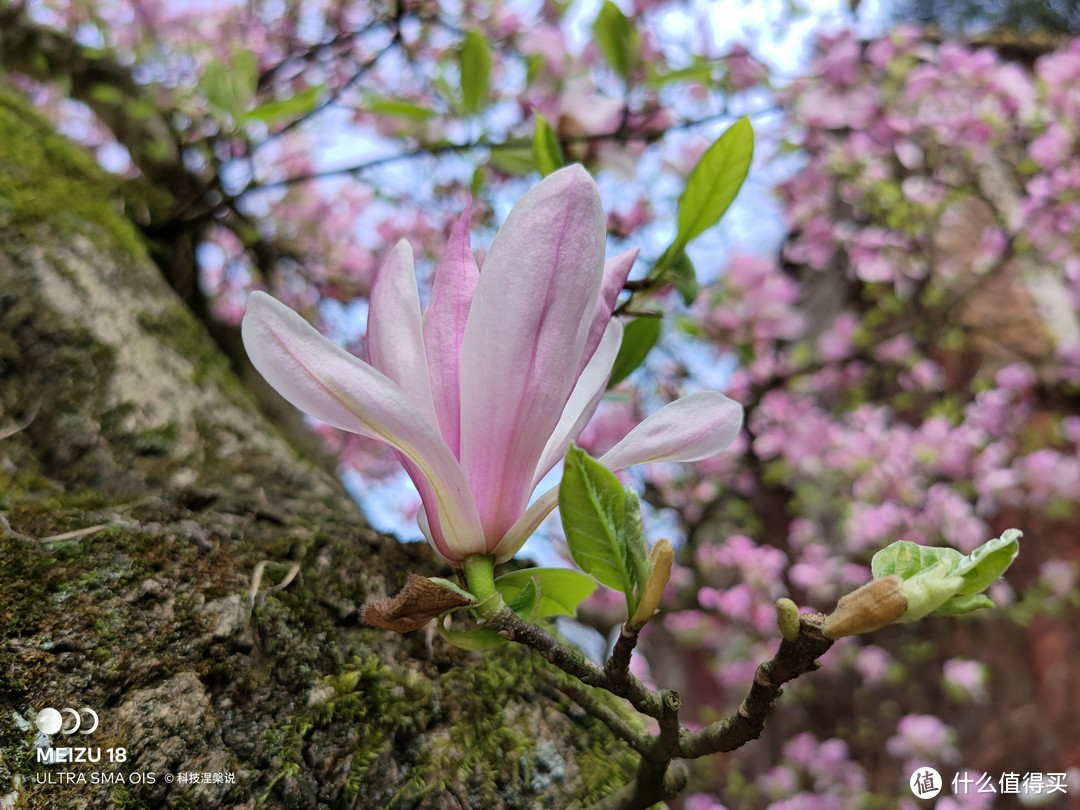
{"points": [[525, 602], [639, 336], [959, 605], [396, 108], [475, 638], [561, 589], [217, 88], [674, 266], [282, 109], [592, 504], [637, 553], [245, 74], [906, 559], [106, 93], [474, 58], [546, 148], [700, 72], [715, 181], [942, 581], [928, 590], [988, 562], [614, 36], [513, 160], [229, 90], [453, 587]]}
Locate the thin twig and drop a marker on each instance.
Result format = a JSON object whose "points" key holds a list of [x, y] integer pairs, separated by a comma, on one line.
{"points": [[72, 535], [794, 658], [580, 694], [438, 149], [10, 532], [20, 426], [637, 795], [507, 624], [256, 581], [618, 665]]}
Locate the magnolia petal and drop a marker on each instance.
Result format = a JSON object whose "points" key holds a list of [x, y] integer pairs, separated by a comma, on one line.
{"points": [[451, 547], [395, 337], [527, 327], [444, 326], [692, 428], [526, 525], [616, 269], [435, 540], [325, 381], [583, 402]]}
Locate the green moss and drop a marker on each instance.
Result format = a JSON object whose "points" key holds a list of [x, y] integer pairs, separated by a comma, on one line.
{"points": [[155, 441], [489, 752], [178, 328], [45, 177]]}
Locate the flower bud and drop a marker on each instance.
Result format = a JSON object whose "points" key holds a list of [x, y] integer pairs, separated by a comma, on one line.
{"points": [[661, 558], [874, 605], [787, 619]]}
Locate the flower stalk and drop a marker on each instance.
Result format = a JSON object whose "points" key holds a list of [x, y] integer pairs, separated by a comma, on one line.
{"points": [[480, 576]]}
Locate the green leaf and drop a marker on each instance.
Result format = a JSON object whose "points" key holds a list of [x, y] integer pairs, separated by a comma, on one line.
{"points": [[614, 36], [715, 181], [701, 72], [592, 504], [534, 66], [229, 90], [959, 605], [245, 73], [988, 562], [454, 587], [561, 589], [546, 148], [513, 160], [396, 108], [474, 57], [140, 109], [525, 602], [281, 109], [106, 94], [907, 559], [639, 336], [476, 638], [928, 590], [635, 543], [674, 266], [217, 88], [933, 575]]}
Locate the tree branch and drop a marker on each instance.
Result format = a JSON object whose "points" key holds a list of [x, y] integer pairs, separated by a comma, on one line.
{"points": [[508, 625], [794, 658], [580, 694], [643, 793]]}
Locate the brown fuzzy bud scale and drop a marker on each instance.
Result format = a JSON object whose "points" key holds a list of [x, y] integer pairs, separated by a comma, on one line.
{"points": [[416, 604], [874, 605]]}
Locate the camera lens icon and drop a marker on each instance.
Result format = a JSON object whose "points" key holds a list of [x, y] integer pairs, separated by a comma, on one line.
{"points": [[51, 721]]}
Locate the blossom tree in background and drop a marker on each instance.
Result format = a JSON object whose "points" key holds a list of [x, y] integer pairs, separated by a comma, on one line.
{"points": [[909, 370], [908, 365]]}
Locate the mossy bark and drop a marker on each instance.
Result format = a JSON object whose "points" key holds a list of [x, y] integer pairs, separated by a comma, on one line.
{"points": [[140, 490]]}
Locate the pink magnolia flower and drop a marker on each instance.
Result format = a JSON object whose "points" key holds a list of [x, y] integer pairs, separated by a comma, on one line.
{"points": [[482, 395]]}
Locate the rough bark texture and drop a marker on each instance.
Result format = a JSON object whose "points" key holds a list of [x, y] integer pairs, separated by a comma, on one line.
{"points": [[139, 491]]}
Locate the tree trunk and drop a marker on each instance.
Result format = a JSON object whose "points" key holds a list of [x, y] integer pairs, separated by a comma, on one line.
{"points": [[141, 493]]}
